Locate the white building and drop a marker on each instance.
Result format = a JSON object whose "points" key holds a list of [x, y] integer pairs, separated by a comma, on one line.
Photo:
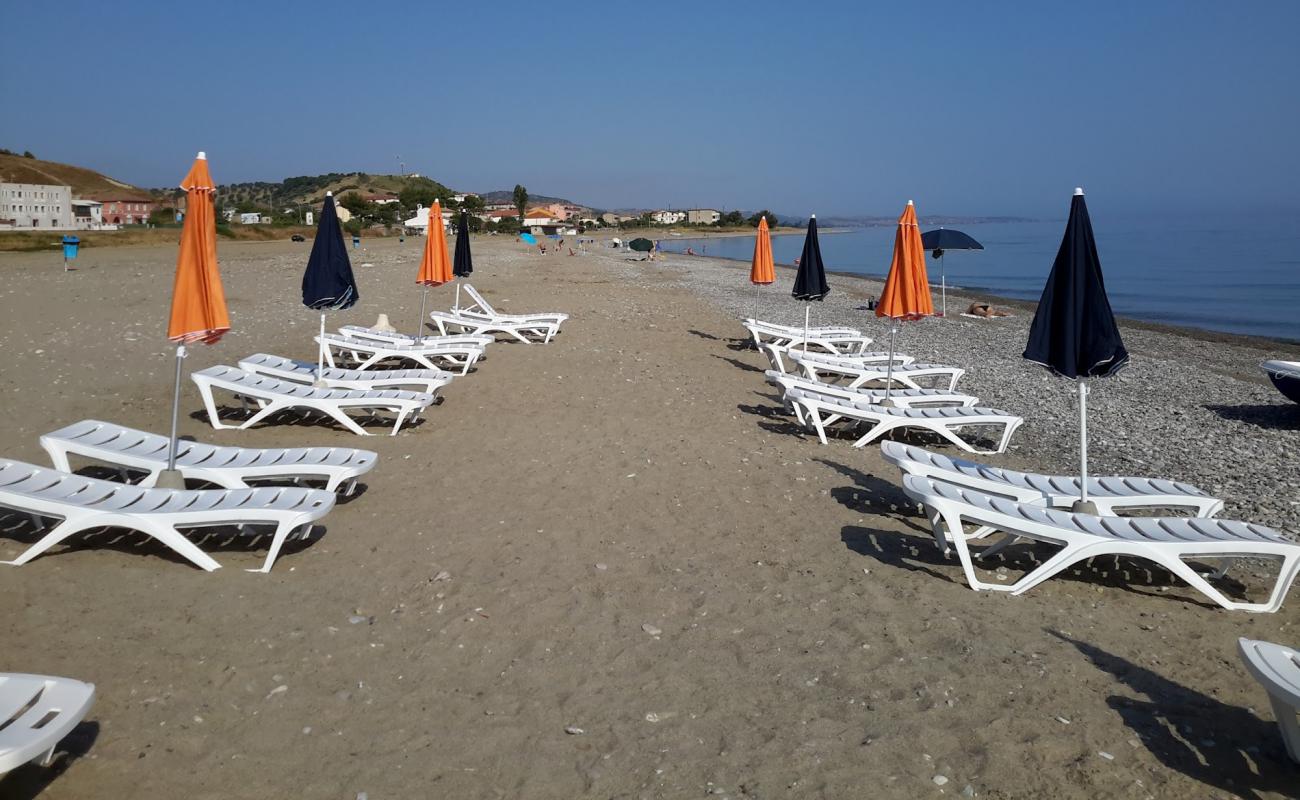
{"points": [[87, 215], [668, 217], [703, 216], [419, 224], [35, 205], [250, 218]]}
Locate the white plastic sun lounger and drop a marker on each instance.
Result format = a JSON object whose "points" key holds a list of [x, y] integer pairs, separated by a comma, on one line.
{"points": [[820, 410], [1277, 668], [428, 381], [272, 396], [1165, 540], [227, 467], [36, 712], [396, 337], [877, 358], [527, 331], [901, 398], [366, 353], [1110, 494], [480, 307], [824, 368], [833, 341], [81, 503]]}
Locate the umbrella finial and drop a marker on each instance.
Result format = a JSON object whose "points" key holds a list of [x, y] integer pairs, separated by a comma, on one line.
{"points": [[329, 194], [203, 155], [1078, 191], [814, 216], [909, 202]]}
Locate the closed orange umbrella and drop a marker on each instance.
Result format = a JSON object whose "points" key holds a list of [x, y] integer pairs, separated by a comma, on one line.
{"points": [[906, 295], [435, 265], [761, 272], [198, 300]]}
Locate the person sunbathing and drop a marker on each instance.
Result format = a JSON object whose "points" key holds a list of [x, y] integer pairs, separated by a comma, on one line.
{"points": [[985, 310]]}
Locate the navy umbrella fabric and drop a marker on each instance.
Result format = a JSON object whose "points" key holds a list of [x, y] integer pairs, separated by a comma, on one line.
{"points": [[462, 263], [327, 283], [810, 281], [940, 241], [1074, 333]]}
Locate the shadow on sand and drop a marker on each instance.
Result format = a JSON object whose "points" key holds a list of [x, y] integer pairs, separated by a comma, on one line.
{"points": [[1193, 733], [1278, 416], [30, 780]]}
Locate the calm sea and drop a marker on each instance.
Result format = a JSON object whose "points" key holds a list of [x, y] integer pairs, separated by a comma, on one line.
{"points": [[1238, 277]]}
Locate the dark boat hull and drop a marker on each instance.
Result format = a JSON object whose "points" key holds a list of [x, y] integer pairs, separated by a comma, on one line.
{"points": [[1285, 375]]}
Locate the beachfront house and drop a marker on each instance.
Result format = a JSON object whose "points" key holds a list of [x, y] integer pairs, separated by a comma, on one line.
{"points": [[250, 218], [703, 216], [418, 225], [668, 217], [35, 205], [87, 215], [125, 208], [610, 218]]}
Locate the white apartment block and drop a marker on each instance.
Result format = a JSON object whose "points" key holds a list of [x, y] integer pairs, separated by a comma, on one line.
{"points": [[35, 206], [703, 216], [668, 217]]}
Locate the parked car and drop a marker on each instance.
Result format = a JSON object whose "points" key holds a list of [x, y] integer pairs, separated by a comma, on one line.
{"points": [[298, 237]]}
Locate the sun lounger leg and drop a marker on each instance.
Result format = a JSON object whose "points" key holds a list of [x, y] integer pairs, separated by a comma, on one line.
{"points": [[282, 531], [1288, 725], [205, 391], [343, 419]]}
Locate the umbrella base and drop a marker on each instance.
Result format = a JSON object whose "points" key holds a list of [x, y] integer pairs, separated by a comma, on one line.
{"points": [[170, 479], [1084, 507]]}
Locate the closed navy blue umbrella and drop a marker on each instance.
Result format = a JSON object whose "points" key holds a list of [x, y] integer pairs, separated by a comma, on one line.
{"points": [[810, 281], [462, 263], [940, 241], [327, 283], [1074, 333]]}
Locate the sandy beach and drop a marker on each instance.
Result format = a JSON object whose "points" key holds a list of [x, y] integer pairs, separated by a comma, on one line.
{"points": [[611, 567]]}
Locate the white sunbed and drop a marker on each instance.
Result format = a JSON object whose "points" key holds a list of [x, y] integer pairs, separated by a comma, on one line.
{"points": [[1111, 495], [481, 308], [820, 410], [1165, 540], [901, 398], [835, 341], [227, 467], [81, 503], [36, 712], [528, 331], [272, 396], [1277, 668], [855, 374], [877, 358], [428, 381], [366, 353], [396, 337]]}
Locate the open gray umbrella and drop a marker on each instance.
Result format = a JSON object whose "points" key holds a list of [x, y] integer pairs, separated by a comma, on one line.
{"points": [[1074, 333], [810, 281], [462, 264], [327, 283], [939, 242]]}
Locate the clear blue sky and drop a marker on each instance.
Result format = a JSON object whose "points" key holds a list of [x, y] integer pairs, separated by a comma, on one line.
{"points": [[969, 108]]}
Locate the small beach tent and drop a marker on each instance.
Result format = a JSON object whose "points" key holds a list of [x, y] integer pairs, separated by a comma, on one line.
{"points": [[641, 245], [762, 272], [198, 300], [906, 296], [810, 281], [1074, 333], [463, 262], [327, 283], [940, 241], [435, 266]]}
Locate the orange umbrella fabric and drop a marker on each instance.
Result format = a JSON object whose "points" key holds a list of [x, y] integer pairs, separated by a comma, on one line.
{"points": [[198, 300], [906, 294], [435, 266], [762, 272]]}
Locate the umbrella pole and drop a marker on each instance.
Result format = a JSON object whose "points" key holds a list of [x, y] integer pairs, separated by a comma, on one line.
{"points": [[320, 353], [419, 326], [889, 369], [943, 282], [454, 308], [807, 308], [1082, 505], [170, 478]]}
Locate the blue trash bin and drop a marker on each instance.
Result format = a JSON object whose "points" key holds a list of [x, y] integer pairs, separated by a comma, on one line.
{"points": [[70, 245], [356, 242]]}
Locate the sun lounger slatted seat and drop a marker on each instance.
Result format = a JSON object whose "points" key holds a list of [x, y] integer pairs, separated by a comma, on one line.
{"points": [[873, 359], [36, 712], [528, 331], [1277, 668], [832, 341], [480, 307], [228, 467], [854, 374], [1165, 540], [394, 337], [427, 381], [366, 353], [1110, 494], [272, 396], [901, 398], [81, 503], [820, 410]]}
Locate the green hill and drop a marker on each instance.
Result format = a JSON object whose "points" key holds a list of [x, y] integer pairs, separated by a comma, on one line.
{"points": [[84, 182]]}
